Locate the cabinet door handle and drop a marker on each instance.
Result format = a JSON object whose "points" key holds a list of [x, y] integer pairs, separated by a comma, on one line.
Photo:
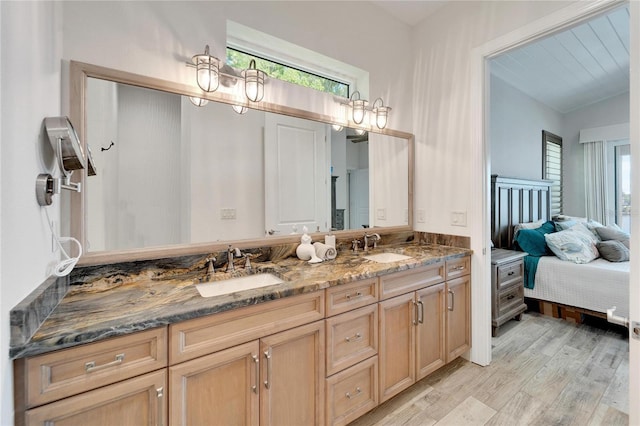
{"points": [[354, 338], [256, 361], [349, 295], [91, 365], [267, 355], [453, 300], [421, 312], [415, 312], [160, 395], [357, 392]]}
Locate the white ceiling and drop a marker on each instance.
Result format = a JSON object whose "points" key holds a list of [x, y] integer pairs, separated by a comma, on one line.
{"points": [[575, 68], [410, 12]]}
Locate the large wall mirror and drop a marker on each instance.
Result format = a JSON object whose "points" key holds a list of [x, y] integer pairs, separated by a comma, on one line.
{"points": [[174, 178]]}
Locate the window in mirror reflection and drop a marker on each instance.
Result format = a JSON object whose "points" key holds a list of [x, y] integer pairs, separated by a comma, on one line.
{"points": [[240, 60]]}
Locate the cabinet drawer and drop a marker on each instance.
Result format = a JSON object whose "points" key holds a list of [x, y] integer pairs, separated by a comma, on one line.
{"points": [[71, 371], [202, 336], [137, 401], [346, 297], [509, 299], [352, 392], [510, 274], [351, 337], [458, 267], [413, 279]]}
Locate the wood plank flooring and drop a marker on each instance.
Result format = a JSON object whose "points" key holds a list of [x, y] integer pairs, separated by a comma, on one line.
{"points": [[545, 371]]}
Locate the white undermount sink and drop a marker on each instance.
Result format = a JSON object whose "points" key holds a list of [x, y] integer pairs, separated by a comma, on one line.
{"points": [[249, 282], [387, 257]]}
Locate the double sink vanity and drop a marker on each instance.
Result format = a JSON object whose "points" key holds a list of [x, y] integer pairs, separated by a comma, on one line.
{"points": [[326, 344]]}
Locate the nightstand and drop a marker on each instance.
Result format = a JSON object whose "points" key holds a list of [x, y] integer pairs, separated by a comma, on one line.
{"points": [[507, 287]]}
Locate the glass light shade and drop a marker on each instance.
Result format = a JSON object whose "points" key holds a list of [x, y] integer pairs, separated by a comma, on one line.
{"points": [[240, 109], [357, 107], [207, 71], [254, 82], [199, 102], [382, 114], [360, 132], [337, 127]]}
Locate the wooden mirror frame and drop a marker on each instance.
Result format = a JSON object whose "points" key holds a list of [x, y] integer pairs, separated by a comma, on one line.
{"points": [[79, 73]]}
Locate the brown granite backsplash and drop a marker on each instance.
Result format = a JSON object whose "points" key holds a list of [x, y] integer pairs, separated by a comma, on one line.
{"points": [[443, 239]]}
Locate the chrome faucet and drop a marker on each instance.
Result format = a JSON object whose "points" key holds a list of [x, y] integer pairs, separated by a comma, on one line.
{"points": [[376, 238], [211, 269]]}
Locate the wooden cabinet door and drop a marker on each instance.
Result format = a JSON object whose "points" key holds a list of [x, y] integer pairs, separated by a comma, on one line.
{"points": [[217, 389], [137, 401], [430, 331], [292, 376], [458, 317], [396, 355]]}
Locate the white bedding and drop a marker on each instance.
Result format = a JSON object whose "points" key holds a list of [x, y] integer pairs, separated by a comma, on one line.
{"points": [[597, 286]]}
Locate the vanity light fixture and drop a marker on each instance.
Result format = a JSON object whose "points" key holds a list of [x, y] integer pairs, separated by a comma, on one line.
{"points": [[381, 113], [360, 132], [240, 109], [199, 102], [207, 70], [254, 82], [357, 107], [337, 127]]}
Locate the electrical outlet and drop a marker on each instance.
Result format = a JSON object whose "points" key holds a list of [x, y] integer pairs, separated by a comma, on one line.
{"points": [[421, 216], [459, 218], [227, 214], [382, 214]]}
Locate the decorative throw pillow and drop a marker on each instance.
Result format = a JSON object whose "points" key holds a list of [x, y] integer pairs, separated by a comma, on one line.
{"points": [[565, 224], [527, 225], [613, 251], [592, 225], [610, 232], [582, 228], [572, 246], [533, 240]]}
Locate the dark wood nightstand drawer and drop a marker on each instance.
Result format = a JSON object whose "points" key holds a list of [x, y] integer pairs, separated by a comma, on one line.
{"points": [[509, 299], [510, 274]]}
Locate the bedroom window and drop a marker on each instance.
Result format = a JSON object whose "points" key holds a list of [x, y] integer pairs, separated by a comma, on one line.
{"points": [[552, 168], [623, 186]]}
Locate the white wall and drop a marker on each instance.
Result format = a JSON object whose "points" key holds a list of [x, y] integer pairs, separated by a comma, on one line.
{"points": [[610, 111], [441, 110], [31, 48], [516, 124]]}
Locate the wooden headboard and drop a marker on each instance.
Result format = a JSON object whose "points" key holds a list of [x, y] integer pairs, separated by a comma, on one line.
{"points": [[515, 200]]}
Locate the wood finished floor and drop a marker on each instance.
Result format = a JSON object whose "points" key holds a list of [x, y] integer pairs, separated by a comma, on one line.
{"points": [[545, 371]]}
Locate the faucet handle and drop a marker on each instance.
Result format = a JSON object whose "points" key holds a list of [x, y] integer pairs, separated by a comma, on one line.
{"points": [[355, 244], [211, 261], [247, 261]]}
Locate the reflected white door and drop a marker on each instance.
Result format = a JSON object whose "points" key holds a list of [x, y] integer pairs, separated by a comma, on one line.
{"points": [[359, 199], [296, 175]]}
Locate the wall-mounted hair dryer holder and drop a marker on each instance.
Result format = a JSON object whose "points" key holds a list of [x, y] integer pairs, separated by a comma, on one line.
{"points": [[69, 155]]}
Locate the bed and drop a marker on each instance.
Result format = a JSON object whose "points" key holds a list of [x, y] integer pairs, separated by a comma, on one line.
{"points": [[561, 288]]}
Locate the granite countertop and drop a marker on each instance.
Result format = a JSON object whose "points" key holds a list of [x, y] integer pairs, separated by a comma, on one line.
{"points": [[99, 310]]}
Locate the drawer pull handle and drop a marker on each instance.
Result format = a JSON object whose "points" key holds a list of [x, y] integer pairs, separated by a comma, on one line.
{"points": [[457, 268], [160, 395], [511, 273], [511, 296], [267, 355], [256, 361], [349, 295], [355, 338], [91, 366], [356, 393], [421, 312]]}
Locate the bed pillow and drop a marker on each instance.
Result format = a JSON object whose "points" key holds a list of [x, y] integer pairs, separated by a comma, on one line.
{"points": [[527, 225], [533, 240], [572, 246], [610, 232], [565, 224], [583, 229], [613, 251], [592, 225]]}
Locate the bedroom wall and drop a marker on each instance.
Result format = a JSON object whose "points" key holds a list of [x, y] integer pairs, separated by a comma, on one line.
{"points": [[610, 111], [516, 124]]}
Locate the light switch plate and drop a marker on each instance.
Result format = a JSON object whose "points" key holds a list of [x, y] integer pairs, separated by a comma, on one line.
{"points": [[459, 218], [382, 214], [227, 213], [421, 216]]}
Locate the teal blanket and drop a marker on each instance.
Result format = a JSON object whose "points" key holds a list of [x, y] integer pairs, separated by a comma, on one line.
{"points": [[530, 268]]}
